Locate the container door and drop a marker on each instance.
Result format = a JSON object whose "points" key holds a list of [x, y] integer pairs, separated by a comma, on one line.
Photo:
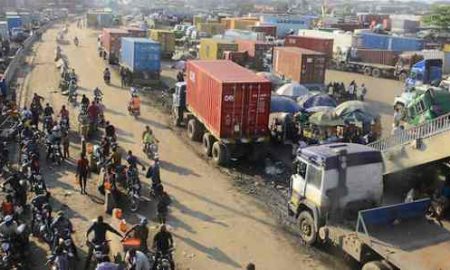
{"points": [[233, 110], [257, 110], [313, 69]]}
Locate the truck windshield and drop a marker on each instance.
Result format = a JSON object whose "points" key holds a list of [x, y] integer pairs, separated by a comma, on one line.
{"points": [[300, 168], [314, 176]]}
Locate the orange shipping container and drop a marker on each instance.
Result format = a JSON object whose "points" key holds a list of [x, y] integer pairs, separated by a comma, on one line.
{"points": [[300, 65]]}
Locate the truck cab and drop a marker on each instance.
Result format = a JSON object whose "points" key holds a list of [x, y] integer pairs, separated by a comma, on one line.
{"points": [[426, 71], [179, 103], [427, 105], [333, 182], [404, 64]]}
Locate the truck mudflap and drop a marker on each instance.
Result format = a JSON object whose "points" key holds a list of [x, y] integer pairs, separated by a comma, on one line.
{"points": [[404, 236]]}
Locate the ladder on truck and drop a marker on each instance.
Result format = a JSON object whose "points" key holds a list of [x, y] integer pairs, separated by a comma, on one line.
{"points": [[416, 146]]}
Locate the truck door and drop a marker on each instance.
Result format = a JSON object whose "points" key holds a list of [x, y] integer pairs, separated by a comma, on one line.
{"points": [[313, 187], [298, 182]]}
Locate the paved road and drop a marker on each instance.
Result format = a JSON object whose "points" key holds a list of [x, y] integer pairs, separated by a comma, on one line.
{"points": [[214, 226], [381, 93]]}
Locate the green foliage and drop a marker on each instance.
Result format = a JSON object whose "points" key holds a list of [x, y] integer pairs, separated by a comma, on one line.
{"points": [[439, 16]]}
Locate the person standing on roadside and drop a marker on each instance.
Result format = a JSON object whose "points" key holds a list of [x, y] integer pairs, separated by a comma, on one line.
{"points": [[66, 144], [123, 75], [82, 172]]}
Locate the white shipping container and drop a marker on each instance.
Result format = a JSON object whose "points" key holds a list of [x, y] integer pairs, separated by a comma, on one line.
{"points": [[4, 30], [341, 39]]}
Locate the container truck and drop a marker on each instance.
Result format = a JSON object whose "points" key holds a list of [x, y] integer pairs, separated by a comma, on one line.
{"points": [[142, 57], [227, 111], [322, 45], [299, 65], [378, 63], [14, 22], [368, 40], [336, 195], [111, 43]]}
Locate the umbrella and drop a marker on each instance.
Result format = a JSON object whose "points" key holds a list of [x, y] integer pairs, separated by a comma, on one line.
{"points": [[319, 109], [283, 104], [292, 90], [309, 101], [354, 105], [274, 79], [356, 111], [326, 118]]}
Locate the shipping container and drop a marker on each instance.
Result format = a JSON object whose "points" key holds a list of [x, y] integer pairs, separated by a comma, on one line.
{"points": [[111, 42], [211, 28], [256, 51], [321, 45], [299, 65], [4, 32], [234, 34], [105, 20], [240, 58], [404, 25], [243, 23], [14, 22], [382, 57], [91, 19], [136, 32], [198, 19], [213, 49], [232, 105], [285, 25], [166, 39], [268, 30], [341, 40], [386, 42], [140, 54]]}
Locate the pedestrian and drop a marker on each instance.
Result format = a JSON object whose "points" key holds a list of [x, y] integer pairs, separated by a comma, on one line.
{"points": [[82, 172], [351, 90], [129, 77], [398, 115], [123, 77], [66, 144], [362, 91], [250, 266]]}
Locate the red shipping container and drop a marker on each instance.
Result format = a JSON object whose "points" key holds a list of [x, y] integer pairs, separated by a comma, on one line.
{"points": [[322, 45], [239, 58], [300, 65], [269, 30], [252, 47], [383, 57], [136, 32], [111, 39], [232, 102]]}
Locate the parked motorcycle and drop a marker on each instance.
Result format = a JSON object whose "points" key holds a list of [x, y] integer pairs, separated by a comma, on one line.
{"points": [[55, 153], [133, 191], [59, 261], [14, 251]]}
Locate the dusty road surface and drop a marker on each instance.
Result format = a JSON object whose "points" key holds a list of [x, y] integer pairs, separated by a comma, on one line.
{"points": [[214, 226], [380, 93]]}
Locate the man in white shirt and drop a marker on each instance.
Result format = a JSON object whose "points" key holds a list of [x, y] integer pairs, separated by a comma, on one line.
{"points": [[137, 259]]}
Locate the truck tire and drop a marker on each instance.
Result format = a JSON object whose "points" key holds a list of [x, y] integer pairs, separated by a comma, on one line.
{"points": [[220, 154], [376, 265], [367, 71], [376, 73], [194, 130], [308, 231], [207, 142]]}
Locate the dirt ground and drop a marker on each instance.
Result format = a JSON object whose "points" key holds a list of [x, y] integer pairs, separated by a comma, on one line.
{"points": [[214, 226]]}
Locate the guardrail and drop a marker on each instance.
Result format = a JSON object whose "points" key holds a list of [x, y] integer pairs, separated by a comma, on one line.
{"points": [[426, 130]]}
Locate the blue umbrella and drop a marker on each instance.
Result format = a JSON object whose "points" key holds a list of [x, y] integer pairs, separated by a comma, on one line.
{"points": [[307, 102], [283, 104]]}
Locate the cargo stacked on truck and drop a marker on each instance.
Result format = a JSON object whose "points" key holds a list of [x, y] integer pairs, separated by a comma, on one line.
{"points": [[226, 107], [111, 43], [336, 193]]}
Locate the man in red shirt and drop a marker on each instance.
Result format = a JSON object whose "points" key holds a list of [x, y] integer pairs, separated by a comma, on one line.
{"points": [[93, 112], [82, 172]]}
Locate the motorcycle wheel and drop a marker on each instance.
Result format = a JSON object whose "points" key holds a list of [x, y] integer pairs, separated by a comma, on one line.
{"points": [[134, 205]]}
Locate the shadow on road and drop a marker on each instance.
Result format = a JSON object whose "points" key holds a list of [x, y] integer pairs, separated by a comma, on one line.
{"points": [[177, 169], [213, 253], [196, 214]]}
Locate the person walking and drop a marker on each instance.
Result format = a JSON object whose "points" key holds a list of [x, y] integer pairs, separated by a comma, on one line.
{"points": [[123, 75], [362, 91], [82, 172], [66, 144]]}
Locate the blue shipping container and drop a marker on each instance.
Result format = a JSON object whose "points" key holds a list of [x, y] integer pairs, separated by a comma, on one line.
{"points": [[140, 54], [14, 22], [386, 42]]}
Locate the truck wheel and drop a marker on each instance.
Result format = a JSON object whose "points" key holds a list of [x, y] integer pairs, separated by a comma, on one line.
{"points": [[402, 77], [219, 154], [367, 71], [376, 265], [307, 229], [207, 142], [376, 73], [194, 130]]}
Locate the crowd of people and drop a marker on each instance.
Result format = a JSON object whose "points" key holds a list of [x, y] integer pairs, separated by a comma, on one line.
{"points": [[351, 92]]}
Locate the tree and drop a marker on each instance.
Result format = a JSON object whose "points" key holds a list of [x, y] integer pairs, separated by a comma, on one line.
{"points": [[439, 16]]}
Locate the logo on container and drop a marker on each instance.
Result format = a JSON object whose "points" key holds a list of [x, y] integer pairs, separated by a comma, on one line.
{"points": [[192, 76], [228, 98]]}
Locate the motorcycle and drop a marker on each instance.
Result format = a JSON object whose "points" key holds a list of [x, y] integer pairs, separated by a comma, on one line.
{"points": [[151, 150], [58, 262], [55, 153], [37, 184], [72, 97], [41, 227], [65, 238], [107, 78], [100, 251], [134, 111], [13, 250], [48, 122], [164, 259], [134, 188], [64, 124]]}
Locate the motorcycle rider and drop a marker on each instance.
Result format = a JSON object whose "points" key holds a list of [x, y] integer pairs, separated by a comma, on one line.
{"points": [[134, 91], [8, 206], [154, 174], [64, 114], [40, 203], [26, 114], [72, 89], [137, 260], [8, 228], [163, 204], [100, 228], [134, 104], [106, 146], [76, 41], [163, 243], [133, 161], [59, 226], [54, 138], [140, 231], [85, 101], [37, 100], [148, 138], [97, 93], [93, 112], [19, 189], [48, 110], [35, 166]]}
